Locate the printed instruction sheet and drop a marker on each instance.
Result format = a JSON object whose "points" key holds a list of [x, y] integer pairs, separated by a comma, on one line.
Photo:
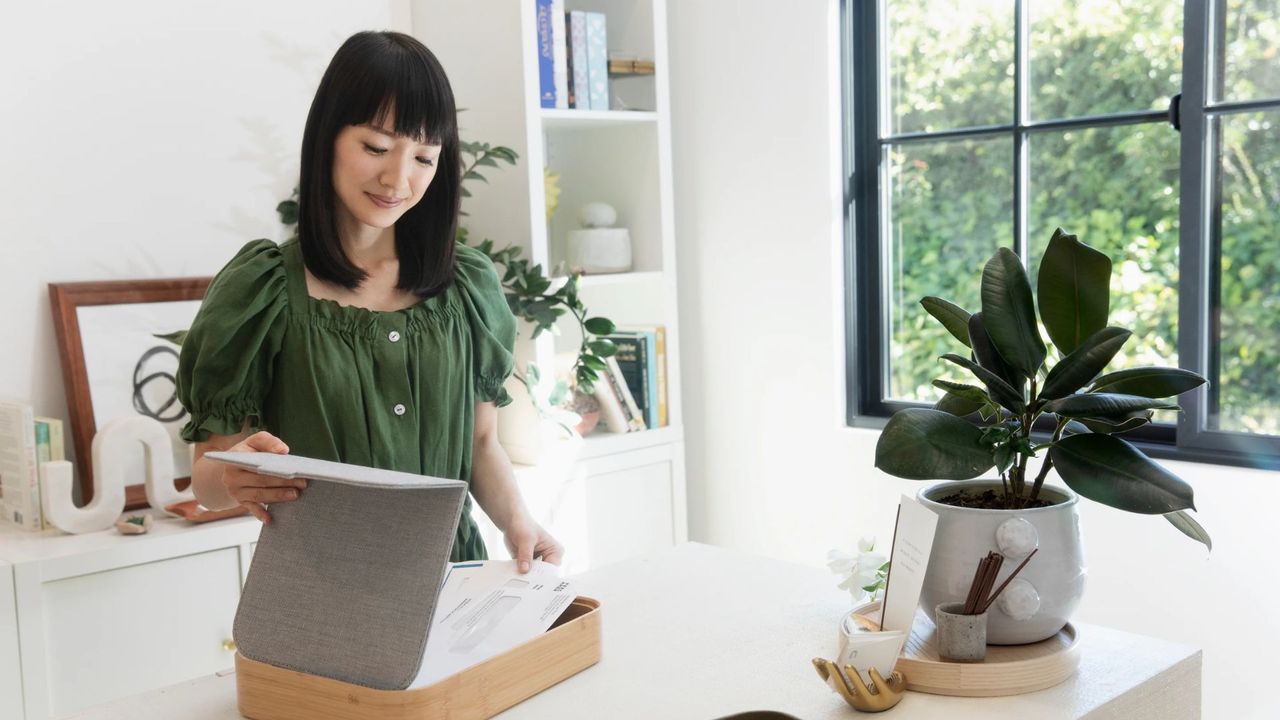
{"points": [[486, 608]]}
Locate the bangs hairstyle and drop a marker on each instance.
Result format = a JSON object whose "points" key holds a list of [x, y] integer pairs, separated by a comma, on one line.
{"points": [[372, 75]]}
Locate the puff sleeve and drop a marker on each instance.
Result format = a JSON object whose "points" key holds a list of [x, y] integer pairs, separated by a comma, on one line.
{"points": [[493, 326], [225, 366]]}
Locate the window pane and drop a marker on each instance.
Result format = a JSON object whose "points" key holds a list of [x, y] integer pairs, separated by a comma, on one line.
{"points": [[950, 64], [1251, 50], [1116, 188], [1097, 57], [1247, 389], [950, 207]]}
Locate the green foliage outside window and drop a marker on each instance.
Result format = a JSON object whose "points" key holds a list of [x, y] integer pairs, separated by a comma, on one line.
{"points": [[951, 66]]}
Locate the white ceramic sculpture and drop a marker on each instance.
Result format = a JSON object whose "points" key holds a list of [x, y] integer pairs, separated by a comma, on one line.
{"points": [[114, 444], [599, 248], [597, 215]]}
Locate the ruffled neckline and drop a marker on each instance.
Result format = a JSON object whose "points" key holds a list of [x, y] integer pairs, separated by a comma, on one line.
{"points": [[354, 315]]}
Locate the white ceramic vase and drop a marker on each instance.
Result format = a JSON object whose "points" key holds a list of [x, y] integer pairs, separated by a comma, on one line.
{"points": [[600, 250], [1047, 591]]}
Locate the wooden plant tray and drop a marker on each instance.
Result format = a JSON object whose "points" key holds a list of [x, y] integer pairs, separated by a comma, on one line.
{"points": [[1007, 670], [267, 692]]}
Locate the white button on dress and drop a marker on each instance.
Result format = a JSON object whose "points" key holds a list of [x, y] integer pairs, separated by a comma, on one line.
{"points": [[398, 409], [393, 336]]}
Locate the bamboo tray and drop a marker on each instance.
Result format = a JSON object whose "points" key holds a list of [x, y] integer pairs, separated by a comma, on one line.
{"points": [[1007, 670], [267, 692]]}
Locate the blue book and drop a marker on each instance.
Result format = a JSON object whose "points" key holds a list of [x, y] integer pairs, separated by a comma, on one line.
{"points": [[633, 365], [638, 359], [546, 54], [597, 61]]}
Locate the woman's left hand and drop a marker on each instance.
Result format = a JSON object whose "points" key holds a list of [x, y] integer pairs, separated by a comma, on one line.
{"points": [[526, 540]]}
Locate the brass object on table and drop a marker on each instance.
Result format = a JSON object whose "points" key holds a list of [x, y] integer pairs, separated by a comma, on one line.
{"points": [[878, 698]]}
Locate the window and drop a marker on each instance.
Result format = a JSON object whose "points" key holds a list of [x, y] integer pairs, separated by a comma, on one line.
{"points": [[1148, 128]]}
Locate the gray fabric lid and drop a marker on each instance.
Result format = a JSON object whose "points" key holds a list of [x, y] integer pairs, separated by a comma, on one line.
{"points": [[344, 580]]}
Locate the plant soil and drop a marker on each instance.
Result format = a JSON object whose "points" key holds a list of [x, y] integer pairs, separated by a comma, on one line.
{"points": [[989, 500]]}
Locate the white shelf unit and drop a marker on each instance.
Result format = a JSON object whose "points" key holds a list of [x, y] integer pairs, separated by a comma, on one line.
{"points": [[579, 118], [620, 156]]}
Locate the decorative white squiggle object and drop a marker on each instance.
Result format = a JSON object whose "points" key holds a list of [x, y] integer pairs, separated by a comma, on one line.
{"points": [[112, 448]]}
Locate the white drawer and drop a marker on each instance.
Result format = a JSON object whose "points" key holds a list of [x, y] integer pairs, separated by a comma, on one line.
{"points": [[121, 632]]}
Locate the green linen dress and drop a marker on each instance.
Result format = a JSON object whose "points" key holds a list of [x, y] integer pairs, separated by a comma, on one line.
{"points": [[391, 390]]}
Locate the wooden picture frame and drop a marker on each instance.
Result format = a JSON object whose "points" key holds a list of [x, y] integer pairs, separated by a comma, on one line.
{"points": [[67, 301]]}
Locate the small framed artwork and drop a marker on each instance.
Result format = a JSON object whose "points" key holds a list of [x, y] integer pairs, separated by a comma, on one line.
{"points": [[114, 363]]}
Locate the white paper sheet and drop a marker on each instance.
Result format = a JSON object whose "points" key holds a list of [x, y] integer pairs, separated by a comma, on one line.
{"points": [[912, 544], [485, 609]]}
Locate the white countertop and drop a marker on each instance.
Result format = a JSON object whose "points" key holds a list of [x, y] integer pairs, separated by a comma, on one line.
{"points": [[700, 632], [24, 546]]}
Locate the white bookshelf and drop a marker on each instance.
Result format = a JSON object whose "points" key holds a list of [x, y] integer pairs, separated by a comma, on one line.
{"points": [[555, 119], [622, 157]]}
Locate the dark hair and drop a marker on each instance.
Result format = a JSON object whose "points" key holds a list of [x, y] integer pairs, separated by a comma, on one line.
{"points": [[370, 75]]}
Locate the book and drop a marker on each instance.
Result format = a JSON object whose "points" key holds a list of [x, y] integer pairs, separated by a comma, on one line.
{"points": [[635, 420], [57, 442], [656, 342], [579, 90], [610, 408], [546, 56], [568, 35], [19, 468], [560, 67], [49, 446], [598, 61], [633, 359], [660, 363]]}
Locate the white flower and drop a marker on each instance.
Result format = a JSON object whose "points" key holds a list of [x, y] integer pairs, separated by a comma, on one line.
{"points": [[858, 571]]}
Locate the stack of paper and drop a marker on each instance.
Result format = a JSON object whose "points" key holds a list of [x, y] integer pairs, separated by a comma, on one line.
{"points": [[487, 608]]}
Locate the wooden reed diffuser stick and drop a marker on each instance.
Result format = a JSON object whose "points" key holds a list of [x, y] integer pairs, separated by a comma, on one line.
{"points": [[980, 595], [983, 579], [971, 600], [1007, 580]]}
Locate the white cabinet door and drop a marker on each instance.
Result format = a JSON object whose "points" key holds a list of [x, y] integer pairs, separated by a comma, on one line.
{"points": [[10, 669], [629, 512], [121, 632], [605, 508]]}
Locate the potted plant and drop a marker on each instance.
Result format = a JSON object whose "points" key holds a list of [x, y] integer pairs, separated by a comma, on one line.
{"points": [[988, 425]]}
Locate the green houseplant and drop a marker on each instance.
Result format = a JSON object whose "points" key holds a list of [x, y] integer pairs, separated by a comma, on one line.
{"points": [[984, 426]]}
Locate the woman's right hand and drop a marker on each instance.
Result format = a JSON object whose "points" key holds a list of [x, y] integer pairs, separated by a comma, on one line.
{"points": [[255, 491]]}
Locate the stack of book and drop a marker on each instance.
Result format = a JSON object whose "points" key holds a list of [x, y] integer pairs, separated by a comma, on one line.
{"points": [[573, 57], [26, 441], [633, 390]]}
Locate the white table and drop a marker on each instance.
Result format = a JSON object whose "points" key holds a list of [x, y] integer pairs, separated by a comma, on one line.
{"points": [[699, 632]]}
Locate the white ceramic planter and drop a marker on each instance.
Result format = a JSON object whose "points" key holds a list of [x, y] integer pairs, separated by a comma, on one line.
{"points": [[1044, 595]]}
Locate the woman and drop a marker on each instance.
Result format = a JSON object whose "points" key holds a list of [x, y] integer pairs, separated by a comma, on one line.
{"points": [[371, 338]]}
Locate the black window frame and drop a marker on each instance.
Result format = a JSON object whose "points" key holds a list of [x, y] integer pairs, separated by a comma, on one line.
{"points": [[1191, 113]]}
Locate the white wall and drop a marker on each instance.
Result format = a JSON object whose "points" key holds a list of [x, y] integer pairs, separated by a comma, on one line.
{"points": [[146, 139], [771, 467]]}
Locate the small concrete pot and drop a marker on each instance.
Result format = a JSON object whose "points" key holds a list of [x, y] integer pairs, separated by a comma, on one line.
{"points": [[961, 638]]}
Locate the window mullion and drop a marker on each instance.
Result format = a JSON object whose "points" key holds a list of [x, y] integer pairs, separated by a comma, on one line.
{"points": [[1021, 164], [1193, 262]]}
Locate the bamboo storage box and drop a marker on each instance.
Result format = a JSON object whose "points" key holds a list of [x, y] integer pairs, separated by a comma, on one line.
{"points": [[267, 692]]}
